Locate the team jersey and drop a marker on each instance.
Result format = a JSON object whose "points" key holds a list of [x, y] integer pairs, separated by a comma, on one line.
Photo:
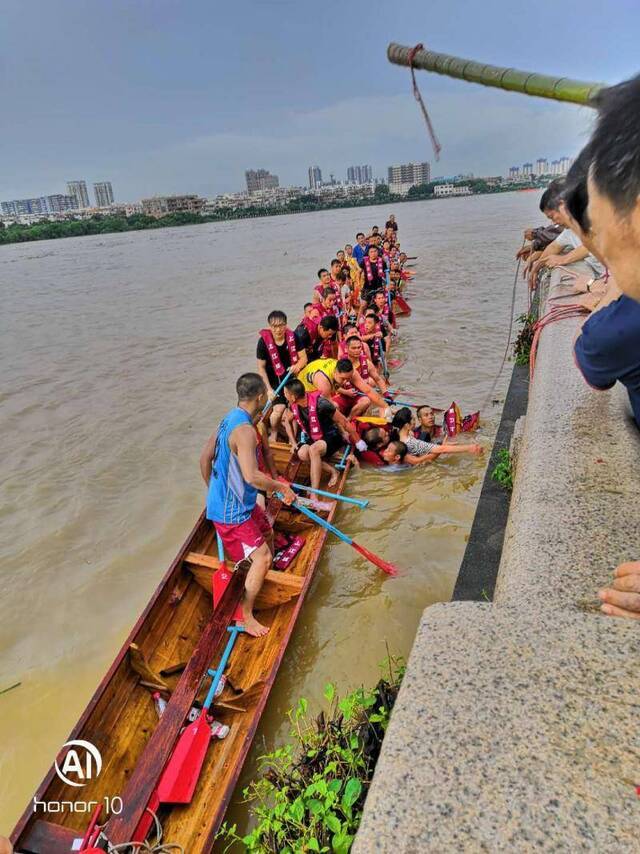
{"points": [[327, 366], [230, 499]]}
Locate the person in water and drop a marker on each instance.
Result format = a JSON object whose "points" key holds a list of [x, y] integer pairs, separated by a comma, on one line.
{"points": [[279, 350], [426, 427], [229, 467], [403, 425], [340, 382], [323, 430]]}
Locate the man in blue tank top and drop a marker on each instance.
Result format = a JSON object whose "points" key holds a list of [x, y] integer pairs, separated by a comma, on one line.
{"points": [[229, 466]]}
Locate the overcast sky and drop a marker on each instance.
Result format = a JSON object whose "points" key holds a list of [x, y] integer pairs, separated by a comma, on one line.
{"points": [[166, 96]]}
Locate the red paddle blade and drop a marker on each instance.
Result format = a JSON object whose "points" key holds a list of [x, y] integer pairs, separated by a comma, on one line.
{"points": [[384, 565], [179, 778]]}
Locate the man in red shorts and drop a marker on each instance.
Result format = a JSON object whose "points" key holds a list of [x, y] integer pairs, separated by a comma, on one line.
{"points": [[229, 466]]}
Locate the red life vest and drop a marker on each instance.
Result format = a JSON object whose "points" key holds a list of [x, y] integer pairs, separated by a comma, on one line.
{"points": [[313, 428], [311, 325], [339, 304], [374, 344], [369, 272], [274, 355], [363, 370]]}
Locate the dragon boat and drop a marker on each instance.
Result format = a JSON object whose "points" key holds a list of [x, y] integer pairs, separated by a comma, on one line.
{"points": [[179, 636]]}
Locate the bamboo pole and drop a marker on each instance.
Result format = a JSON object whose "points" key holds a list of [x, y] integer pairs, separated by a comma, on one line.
{"points": [[539, 85]]}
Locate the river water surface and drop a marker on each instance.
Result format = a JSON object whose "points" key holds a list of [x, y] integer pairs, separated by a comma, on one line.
{"points": [[119, 356]]}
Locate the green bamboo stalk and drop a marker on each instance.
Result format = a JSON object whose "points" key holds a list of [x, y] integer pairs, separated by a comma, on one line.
{"points": [[529, 83]]}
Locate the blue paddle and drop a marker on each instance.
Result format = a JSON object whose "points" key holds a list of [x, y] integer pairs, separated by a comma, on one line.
{"points": [[285, 379]]}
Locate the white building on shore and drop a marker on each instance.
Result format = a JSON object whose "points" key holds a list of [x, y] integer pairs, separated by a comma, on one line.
{"points": [[441, 190]]}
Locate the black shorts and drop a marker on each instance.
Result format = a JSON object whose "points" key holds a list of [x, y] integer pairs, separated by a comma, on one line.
{"points": [[334, 442]]}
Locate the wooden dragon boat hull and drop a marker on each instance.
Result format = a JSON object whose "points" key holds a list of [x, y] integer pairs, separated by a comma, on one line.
{"points": [[175, 640]]}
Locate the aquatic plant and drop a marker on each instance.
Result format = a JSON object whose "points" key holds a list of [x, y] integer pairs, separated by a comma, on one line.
{"points": [[503, 471], [522, 344], [311, 791]]}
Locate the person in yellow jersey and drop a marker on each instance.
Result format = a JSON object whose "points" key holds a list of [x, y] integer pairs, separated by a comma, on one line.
{"points": [[341, 383]]}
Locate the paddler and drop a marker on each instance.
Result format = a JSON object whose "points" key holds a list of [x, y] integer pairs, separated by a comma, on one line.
{"points": [[229, 467], [324, 281], [326, 306], [373, 333], [361, 247], [323, 431], [374, 271], [279, 350], [353, 349], [380, 304], [339, 381], [355, 272]]}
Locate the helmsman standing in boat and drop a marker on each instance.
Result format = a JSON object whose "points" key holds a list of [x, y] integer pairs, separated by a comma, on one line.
{"points": [[229, 466]]}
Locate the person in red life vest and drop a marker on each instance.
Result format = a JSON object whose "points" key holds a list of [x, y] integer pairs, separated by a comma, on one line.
{"points": [[326, 306], [229, 467], [372, 333], [353, 349], [307, 308], [339, 381], [319, 339], [279, 350], [375, 232], [380, 304], [316, 420], [324, 281], [348, 330], [402, 261], [374, 270]]}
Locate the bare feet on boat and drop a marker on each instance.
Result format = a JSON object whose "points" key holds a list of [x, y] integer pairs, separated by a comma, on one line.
{"points": [[335, 477], [252, 626]]}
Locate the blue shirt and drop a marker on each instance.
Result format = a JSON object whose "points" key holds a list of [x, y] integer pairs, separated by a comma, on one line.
{"points": [[608, 349], [359, 252], [230, 499]]}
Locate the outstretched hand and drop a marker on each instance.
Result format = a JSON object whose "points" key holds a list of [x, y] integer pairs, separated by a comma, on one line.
{"points": [[622, 598]]}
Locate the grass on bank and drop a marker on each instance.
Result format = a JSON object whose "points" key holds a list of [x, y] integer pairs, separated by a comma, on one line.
{"points": [[311, 791], [503, 471]]}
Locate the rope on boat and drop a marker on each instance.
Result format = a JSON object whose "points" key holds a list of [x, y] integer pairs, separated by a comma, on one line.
{"points": [[156, 847], [437, 148]]}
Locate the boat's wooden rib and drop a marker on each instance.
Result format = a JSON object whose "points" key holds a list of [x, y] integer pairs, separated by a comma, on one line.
{"points": [[175, 640]]}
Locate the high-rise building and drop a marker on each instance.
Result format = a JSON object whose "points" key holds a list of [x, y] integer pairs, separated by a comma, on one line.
{"points": [[407, 175], [565, 164], [360, 174], [542, 166], [514, 172], [260, 179], [59, 203], [315, 177], [78, 189], [104, 194], [527, 169], [23, 207]]}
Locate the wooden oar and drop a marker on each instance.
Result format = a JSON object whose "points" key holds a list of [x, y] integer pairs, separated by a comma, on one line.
{"points": [[359, 502], [384, 565]]}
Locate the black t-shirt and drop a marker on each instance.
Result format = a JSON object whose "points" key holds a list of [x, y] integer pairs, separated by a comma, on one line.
{"points": [[377, 281], [393, 225], [283, 350], [326, 411]]}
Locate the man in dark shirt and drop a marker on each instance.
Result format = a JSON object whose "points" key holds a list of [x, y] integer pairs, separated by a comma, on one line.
{"points": [[274, 353], [373, 268], [608, 349], [321, 342]]}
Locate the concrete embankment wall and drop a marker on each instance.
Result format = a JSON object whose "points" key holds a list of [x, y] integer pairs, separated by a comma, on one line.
{"points": [[517, 727]]}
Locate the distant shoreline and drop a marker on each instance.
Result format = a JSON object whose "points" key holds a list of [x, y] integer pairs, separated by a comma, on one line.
{"points": [[99, 224]]}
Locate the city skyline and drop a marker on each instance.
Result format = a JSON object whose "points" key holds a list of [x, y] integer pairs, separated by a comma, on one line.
{"points": [[196, 126]]}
